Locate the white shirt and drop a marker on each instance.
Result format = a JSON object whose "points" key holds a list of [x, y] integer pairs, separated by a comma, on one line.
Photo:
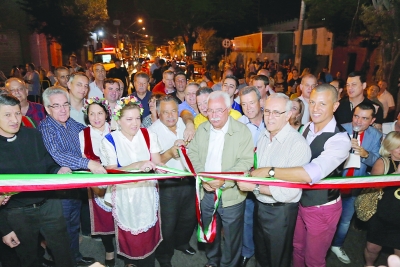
{"points": [[128, 151], [215, 148], [387, 101], [96, 136], [388, 127], [77, 115], [306, 114], [95, 91], [167, 138]]}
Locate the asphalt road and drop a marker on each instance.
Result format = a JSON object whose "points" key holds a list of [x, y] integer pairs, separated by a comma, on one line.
{"points": [[354, 247]]}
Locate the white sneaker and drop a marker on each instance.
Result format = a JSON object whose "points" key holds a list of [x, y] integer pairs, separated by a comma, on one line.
{"points": [[341, 254]]}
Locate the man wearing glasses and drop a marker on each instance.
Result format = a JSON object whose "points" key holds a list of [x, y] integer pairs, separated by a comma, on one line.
{"points": [[61, 138], [222, 144], [276, 207]]}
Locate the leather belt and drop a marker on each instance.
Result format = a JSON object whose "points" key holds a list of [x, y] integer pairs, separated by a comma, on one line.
{"points": [[330, 202], [274, 204], [35, 205]]}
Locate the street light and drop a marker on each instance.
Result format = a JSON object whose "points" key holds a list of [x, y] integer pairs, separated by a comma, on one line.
{"points": [[139, 20]]}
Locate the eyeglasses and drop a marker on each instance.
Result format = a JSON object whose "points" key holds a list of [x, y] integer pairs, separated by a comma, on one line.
{"points": [[58, 107], [275, 113], [217, 111]]}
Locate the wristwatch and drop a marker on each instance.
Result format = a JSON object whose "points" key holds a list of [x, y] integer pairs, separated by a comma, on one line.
{"points": [[271, 172], [256, 190]]}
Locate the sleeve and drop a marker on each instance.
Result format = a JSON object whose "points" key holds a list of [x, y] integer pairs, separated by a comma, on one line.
{"points": [[379, 116], [194, 151], [374, 150], [154, 145], [82, 142], [5, 228], [299, 155], [390, 101], [336, 150], [62, 157], [108, 155]]}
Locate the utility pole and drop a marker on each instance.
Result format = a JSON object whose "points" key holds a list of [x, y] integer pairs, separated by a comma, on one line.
{"points": [[299, 44]]}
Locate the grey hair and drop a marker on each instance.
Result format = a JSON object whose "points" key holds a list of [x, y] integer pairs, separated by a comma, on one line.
{"points": [[289, 103], [54, 90], [248, 89], [220, 94], [327, 87], [165, 98]]}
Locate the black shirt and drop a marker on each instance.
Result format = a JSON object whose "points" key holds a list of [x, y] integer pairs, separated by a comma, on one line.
{"points": [[344, 112], [119, 73]]}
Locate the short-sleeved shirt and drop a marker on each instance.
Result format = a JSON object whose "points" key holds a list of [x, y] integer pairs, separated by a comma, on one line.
{"points": [[36, 112], [184, 105], [95, 91], [145, 102]]}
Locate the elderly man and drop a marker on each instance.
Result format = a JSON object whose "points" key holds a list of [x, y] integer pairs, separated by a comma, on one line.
{"points": [[222, 145], [250, 99], [34, 111], [29, 213], [190, 100], [62, 76], [202, 104], [141, 83], [96, 87], [78, 86], [366, 145], [61, 138], [166, 86], [279, 146], [320, 210], [177, 196]]}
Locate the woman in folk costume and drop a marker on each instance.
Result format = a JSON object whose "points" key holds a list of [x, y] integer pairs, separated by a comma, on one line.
{"points": [[135, 205], [97, 114]]}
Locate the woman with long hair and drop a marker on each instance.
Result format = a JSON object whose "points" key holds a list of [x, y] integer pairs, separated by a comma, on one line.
{"points": [[297, 114]]}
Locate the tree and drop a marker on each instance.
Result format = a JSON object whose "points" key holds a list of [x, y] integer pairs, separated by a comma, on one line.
{"points": [[381, 20], [185, 17], [69, 22]]}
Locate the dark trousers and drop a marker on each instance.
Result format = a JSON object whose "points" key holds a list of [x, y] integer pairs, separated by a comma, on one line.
{"points": [[85, 213], [231, 220], [72, 212], [149, 261], [274, 232], [178, 217], [48, 220]]}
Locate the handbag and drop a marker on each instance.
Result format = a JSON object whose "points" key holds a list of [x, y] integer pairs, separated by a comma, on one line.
{"points": [[366, 203]]}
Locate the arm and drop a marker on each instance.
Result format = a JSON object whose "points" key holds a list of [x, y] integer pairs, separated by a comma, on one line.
{"points": [[373, 152], [188, 120], [171, 153], [194, 152], [378, 168]]}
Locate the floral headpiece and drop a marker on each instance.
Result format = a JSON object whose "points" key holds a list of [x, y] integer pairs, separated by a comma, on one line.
{"points": [[122, 103], [96, 100]]}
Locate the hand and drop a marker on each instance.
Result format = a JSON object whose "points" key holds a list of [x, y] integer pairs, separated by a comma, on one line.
{"points": [[189, 132], [11, 240], [96, 167], [213, 185], [358, 150], [246, 187], [64, 170], [4, 199], [147, 166], [257, 172]]}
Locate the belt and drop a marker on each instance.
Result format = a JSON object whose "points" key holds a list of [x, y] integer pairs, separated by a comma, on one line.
{"points": [[35, 205], [275, 204], [330, 202]]}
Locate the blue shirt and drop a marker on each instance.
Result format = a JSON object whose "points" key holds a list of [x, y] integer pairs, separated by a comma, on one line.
{"points": [[145, 103], [63, 142], [254, 129], [236, 106], [184, 105]]}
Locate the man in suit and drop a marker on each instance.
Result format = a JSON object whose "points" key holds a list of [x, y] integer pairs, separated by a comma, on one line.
{"points": [[366, 145], [222, 144]]}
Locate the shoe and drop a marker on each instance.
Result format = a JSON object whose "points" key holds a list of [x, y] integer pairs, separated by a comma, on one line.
{"points": [[341, 254], [110, 263], [130, 265], [85, 261], [189, 251], [243, 261]]}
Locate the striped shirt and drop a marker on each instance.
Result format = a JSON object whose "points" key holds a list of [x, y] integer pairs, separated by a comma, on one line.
{"points": [[63, 142], [288, 148]]}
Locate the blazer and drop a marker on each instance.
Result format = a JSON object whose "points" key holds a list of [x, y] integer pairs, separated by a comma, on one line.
{"points": [[237, 156], [371, 142]]}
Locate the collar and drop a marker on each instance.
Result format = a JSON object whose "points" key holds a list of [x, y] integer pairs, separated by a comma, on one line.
{"points": [[247, 121], [281, 135], [330, 127], [224, 129]]}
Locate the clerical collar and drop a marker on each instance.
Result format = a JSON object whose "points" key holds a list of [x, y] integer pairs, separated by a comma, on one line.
{"points": [[12, 139]]}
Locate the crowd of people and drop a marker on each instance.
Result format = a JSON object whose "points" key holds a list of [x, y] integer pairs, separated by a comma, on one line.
{"points": [[266, 123]]}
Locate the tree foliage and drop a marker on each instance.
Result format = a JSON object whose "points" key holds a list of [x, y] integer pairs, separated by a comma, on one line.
{"points": [[68, 21], [185, 18]]}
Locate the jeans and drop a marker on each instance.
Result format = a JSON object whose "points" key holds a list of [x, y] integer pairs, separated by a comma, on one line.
{"points": [[72, 212], [345, 219], [248, 241]]}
